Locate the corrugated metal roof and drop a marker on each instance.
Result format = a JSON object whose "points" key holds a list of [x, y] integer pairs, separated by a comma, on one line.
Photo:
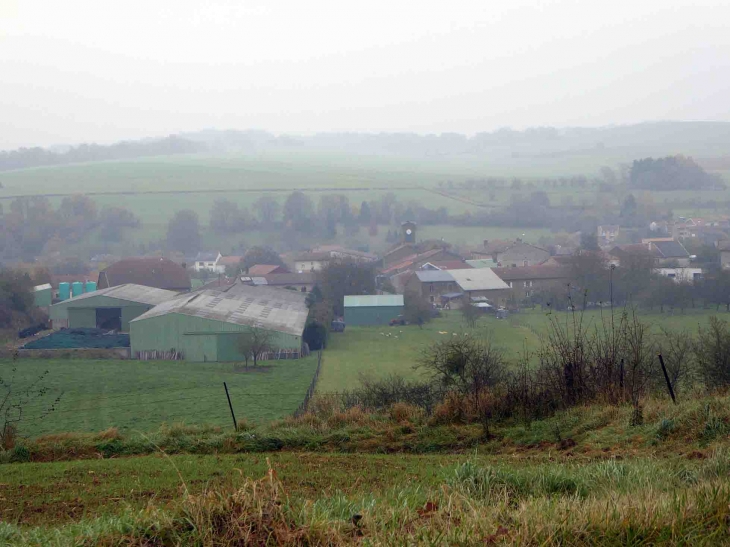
{"points": [[361, 301], [279, 310], [478, 279], [132, 293], [434, 276]]}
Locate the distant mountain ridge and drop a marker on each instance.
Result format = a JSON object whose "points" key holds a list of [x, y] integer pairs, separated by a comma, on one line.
{"points": [[710, 140]]}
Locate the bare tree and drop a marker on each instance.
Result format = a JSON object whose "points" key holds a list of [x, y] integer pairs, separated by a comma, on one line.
{"points": [[254, 342], [470, 366], [677, 348], [469, 312], [712, 352]]}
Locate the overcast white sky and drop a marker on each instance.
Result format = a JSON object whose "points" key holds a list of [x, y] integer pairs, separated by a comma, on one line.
{"points": [[103, 70]]}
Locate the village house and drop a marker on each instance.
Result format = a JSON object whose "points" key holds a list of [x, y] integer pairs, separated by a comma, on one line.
{"points": [[668, 252], [431, 285], [626, 255], [681, 275], [418, 260], [446, 265], [527, 280], [607, 234], [318, 258], [232, 262], [724, 248], [510, 254], [302, 282], [482, 282], [265, 269], [208, 262], [157, 272]]}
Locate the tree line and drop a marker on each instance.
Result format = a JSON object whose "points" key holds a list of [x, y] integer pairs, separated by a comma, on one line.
{"points": [[24, 158], [32, 226]]}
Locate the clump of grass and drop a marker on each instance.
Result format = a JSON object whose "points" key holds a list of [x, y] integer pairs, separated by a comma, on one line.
{"points": [[406, 413], [666, 427]]}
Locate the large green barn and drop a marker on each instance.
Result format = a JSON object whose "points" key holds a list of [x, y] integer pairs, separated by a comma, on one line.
{"points": [[207, 325], [372, 309], [111, 308]]}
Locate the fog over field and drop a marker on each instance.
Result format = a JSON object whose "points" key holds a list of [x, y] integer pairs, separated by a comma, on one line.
{"points": [[84, 71]]}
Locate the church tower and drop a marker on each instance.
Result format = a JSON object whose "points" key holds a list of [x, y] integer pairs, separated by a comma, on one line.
{"points": [[408, 229]]}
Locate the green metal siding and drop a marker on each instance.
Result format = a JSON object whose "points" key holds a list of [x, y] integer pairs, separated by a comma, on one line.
{"points": [[43, 298], [379, 315], [82, 318], [132, 312], [198, 338]]}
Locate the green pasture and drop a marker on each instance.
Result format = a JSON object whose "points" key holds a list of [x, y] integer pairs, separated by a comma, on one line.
{"points": [[364, 351], [141, 395]]}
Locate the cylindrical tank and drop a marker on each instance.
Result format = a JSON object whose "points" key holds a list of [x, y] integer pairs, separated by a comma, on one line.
{"points": [[90, 286], [64, 291], [77, 288]]}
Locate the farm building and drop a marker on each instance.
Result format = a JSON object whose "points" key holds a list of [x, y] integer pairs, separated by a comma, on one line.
{"points": [[43, 295], [482, 282], [161, 273], [372, 309], [206, 325], [111, 308]]}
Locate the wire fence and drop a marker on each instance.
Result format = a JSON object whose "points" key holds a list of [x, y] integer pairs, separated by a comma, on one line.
{"points": [[310, 392]]}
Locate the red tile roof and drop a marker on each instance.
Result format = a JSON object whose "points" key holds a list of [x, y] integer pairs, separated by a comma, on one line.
{"points": [[410, 260], [265, 269], [161, 273]]}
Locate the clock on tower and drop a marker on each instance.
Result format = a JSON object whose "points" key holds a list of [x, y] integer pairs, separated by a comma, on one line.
{"points": [[409, 231]]}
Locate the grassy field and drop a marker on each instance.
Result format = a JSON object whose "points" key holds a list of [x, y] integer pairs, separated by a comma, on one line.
{"points": [[245, 178], [365, 351], [140, 395], [663, 482]]}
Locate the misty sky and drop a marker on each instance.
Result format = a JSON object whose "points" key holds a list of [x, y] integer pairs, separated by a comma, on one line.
{"points": [[100, 70]]}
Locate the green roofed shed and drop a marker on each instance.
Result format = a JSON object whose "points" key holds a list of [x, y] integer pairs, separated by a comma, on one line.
{"points": [[372, 309]]}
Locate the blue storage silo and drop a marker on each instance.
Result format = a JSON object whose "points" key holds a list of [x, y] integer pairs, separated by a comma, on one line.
{"points": [[64, 291], [90, 286], [77, 288]]}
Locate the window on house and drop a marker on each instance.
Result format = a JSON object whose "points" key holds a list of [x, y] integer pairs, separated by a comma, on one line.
{"points": [[430, 287], [528, 294], [525, 284], [524, 262], [514, 265], [510, 284]]}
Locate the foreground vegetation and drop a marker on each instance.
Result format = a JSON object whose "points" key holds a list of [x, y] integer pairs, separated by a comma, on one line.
{"points": [[583, 476], [363, 351]]}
